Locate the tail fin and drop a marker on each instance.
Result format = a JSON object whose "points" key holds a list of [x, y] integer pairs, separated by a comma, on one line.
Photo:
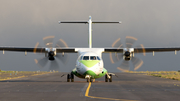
{"points": [[90, 22]]}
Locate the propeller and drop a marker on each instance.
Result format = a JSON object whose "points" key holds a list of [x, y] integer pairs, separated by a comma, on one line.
{"points": [[127, 55], [50, 53]]}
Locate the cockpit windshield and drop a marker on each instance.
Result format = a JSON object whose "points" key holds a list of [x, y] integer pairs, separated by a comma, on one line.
{"points": [[98, 58], [81, 58], [93, 57], [89, 58], [86, 58]]}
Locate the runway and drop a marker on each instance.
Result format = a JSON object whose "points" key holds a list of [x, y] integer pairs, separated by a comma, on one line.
{"points": [[127, 87]]}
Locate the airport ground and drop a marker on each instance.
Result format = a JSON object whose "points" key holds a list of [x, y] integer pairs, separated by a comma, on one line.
{"points": [[53, 87]]}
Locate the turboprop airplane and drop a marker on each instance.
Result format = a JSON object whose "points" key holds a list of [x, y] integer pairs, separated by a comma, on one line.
{"points": [[89, 64]]}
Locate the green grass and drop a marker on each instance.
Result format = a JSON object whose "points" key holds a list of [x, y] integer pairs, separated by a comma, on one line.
{"points": [[174, 75], [4, 75]]}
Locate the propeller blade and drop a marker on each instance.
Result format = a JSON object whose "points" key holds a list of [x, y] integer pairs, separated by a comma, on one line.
{"points": [[63, 58], [117, 43], [37, 46], [143, 49], [130, 41], [61, 43], [137, 63], [54, 65], [124, 67], [41, 62], [48, 41], [115, 57]]}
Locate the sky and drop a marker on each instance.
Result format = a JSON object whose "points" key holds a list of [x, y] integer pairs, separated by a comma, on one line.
{"points": [[155, 23]]}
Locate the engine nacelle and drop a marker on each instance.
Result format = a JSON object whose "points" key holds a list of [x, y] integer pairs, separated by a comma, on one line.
{"points": [[51, 55], [128, 53], [51, 52]]}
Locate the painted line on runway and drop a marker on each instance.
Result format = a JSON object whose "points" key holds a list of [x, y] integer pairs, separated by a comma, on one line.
{"points": [[87, 95]]}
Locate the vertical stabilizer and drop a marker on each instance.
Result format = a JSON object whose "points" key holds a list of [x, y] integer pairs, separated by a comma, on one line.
{"points": [[90, 32], [90, 22]]}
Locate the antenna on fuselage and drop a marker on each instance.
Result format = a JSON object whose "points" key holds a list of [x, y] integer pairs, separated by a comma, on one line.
{"points": [[90, 22]]}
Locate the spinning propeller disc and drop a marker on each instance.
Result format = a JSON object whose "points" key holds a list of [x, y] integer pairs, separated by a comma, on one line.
{"points": [[48, 41], [116, 57]]}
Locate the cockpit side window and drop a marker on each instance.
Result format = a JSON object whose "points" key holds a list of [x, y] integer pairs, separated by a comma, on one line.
{"points": [[86, 58], [81, 57], [98, 58], [93, 57]]}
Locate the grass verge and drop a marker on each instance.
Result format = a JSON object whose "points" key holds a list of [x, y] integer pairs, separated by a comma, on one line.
{"points": [[7, 75], [174, 75]]}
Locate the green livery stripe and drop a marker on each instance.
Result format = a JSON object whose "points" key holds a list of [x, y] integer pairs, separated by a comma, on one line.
{"points": [[93, 75], [89, 72], [89, 63]]}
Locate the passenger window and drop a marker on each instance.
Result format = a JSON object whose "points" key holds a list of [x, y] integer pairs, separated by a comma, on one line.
{"points": [[93, 57], [86, 58], [98, 58]]}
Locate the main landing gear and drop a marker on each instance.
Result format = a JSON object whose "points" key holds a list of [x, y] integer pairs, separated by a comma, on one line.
{"points": [[70, 77], [108, 77]]}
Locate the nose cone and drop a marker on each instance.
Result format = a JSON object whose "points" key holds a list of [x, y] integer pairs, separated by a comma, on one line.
{"points": [[89, 63], [90, 72]]}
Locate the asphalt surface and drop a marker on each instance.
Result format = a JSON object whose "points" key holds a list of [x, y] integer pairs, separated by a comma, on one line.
{"points": [[127, 87]]}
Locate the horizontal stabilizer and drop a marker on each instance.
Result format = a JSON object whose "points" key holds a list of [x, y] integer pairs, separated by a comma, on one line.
{"points": [[107, 22], [85, 22], [73, 22]]}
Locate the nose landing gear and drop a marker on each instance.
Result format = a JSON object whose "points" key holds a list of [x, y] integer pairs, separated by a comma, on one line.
{"points": [[90, 80]]}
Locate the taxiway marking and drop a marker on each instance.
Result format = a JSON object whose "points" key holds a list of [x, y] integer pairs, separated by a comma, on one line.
{"points": [[87, 95]]}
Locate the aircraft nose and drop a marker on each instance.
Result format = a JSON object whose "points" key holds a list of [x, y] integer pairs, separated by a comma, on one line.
{"points": [[90, 72], [89, 63]]}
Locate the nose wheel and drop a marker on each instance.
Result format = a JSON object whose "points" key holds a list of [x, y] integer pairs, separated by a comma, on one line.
{"points": [[90, 80], [108, 78], [70, 77]]}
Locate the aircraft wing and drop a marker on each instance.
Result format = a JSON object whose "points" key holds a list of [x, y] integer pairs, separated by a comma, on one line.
{"points": [[143, 50], [118, 50], [66, 50], [36, 50]]}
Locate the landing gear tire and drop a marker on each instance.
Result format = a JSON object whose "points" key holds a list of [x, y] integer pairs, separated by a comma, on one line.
{"points": [[106, 78], [88, 80], [68, 78], [110, 79], [91, 80], [72, 77]]}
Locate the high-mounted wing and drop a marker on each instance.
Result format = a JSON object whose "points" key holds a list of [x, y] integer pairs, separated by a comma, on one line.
{"points": [[142, 50], [114, 50], [22, 49], [36, 50], [66, 50]]}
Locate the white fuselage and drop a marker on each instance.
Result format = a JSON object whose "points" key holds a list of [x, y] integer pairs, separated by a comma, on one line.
{"points": [[95, 65], [89, 60]]}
